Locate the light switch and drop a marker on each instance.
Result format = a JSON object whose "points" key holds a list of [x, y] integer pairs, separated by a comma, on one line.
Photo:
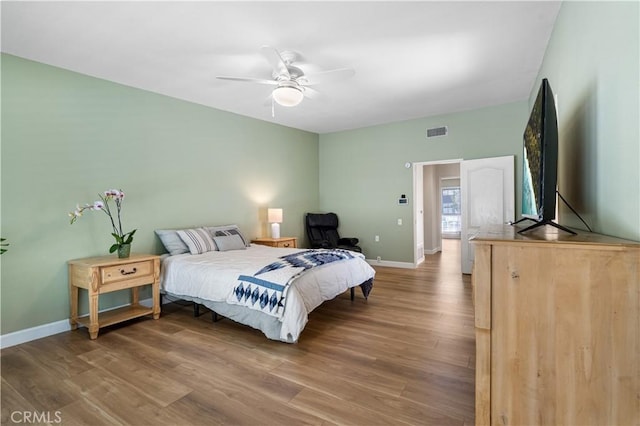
{"points": [[399, 222]]}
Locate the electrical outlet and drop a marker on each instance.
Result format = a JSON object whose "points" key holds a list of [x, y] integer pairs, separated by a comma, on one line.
{"points": [[379, 259], [377, 238], [399, 222]]}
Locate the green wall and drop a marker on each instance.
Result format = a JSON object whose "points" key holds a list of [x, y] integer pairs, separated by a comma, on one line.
{"points": [[592, 63], [362, 171], [66, 137]]}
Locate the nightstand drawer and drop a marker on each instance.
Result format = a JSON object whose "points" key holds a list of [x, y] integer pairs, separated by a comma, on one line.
{"points": [[286, 244], [115, 273]]}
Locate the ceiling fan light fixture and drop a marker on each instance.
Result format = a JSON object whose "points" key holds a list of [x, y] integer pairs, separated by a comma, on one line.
{"points": [[287, 96]]}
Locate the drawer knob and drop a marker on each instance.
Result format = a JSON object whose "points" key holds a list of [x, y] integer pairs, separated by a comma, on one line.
{"points": [[133, 271]]}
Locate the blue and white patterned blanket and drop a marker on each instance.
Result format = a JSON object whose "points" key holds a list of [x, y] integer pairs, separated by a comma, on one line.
{"points": [[266, 290]]}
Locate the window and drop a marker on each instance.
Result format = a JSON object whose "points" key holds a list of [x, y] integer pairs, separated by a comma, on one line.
{"points": [[451, 210]]}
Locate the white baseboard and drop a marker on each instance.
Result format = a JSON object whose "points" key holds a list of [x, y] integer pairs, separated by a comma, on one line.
{"points": [[46, 330], [33, 333], [433, 251], [390, 263]]}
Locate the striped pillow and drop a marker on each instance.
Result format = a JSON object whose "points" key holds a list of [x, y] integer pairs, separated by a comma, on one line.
{"points": [[198, 240]]}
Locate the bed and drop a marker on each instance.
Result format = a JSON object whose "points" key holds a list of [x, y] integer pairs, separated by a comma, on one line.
{"points": [[270, 289]]}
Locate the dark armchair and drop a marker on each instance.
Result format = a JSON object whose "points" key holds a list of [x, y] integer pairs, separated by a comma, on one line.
{"points": [[322, 230]]}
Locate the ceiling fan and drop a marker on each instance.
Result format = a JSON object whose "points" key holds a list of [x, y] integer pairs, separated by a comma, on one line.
{"points": [[292, 84]]}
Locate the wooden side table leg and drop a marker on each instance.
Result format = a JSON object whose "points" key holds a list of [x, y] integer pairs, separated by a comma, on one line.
{"points": [[135, 298], [73, 303], [94, 326], [155, 289]]}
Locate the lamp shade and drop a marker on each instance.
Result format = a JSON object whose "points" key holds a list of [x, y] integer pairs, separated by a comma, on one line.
{"points": [[274, 215], [287, 96]]}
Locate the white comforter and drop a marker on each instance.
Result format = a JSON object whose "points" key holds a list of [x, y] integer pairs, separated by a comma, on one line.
{"points": [[212, 276]]}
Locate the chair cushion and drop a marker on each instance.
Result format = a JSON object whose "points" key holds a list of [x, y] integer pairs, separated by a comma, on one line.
{"points": [[348, 241], [322, 220]]}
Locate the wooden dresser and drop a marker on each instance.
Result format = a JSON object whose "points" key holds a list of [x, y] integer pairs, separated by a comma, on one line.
{"points": [[557, 322]]}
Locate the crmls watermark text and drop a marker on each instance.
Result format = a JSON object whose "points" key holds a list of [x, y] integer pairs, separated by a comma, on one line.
{"points": [[36, 417]]}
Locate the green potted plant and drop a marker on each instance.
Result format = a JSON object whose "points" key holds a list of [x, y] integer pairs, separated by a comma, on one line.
{"points": [[123, 239], [3, 245]]}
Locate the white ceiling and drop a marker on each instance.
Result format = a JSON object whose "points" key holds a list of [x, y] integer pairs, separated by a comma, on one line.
{"points": [[411, 59]]}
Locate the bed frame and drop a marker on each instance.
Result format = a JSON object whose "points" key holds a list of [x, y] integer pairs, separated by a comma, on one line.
{"points": [[365, 287]]}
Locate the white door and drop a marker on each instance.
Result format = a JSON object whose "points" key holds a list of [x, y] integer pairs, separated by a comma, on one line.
{"points": [[487, 191]]}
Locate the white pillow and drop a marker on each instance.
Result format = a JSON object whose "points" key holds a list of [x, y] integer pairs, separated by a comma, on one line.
{"points": [[230, 242], [198, 240]]}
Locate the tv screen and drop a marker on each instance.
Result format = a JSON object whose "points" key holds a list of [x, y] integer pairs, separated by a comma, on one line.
{"points": [[540, 158]]}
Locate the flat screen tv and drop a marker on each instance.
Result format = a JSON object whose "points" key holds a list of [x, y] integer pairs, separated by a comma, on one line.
{"points": [[540, 161]]}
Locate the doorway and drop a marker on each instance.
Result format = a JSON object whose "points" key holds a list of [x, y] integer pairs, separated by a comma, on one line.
{"points": [[486, 198], [430, 179]]}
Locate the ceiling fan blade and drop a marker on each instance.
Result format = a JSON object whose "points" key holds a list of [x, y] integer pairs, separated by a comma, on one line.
{"points": [[276, 61], [248, 79], [311, 93], [326, 76]]}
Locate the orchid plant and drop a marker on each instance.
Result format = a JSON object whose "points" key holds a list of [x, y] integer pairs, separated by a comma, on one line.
{"points": [[117, 195]]}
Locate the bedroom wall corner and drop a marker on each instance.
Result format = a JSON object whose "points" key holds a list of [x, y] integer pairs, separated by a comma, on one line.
{"points": [[592, 63], [363, 173]]}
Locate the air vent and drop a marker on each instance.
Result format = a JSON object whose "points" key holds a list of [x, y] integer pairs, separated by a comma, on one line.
{"points": [[437, 131]]}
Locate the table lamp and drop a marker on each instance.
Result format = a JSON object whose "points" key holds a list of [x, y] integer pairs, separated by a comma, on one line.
{"points": [[274, 217]]}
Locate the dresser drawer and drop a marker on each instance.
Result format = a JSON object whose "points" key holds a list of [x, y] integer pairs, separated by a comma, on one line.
{"points": [[115, 273]]}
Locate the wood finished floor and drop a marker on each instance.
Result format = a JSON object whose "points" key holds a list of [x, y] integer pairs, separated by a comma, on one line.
{"points": [[404, 357]]}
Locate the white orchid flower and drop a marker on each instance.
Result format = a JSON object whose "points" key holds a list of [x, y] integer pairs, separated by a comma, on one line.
{"points": [[122, 238]]}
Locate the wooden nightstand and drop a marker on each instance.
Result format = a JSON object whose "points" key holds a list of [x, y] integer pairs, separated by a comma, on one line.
{"points": [[105, 274], [288, 242]]}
